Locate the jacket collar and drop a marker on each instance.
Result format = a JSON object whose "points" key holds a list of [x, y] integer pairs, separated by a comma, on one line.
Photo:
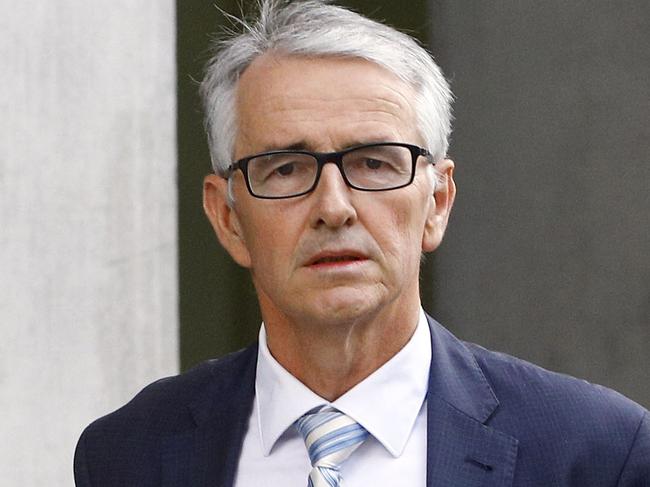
{"points": [[208, 454], [462, 449], [456, 378]]}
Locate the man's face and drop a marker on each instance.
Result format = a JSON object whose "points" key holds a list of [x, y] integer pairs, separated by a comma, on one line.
{"points": [[336, 254]]}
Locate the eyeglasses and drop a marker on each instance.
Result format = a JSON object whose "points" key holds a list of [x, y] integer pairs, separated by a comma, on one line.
{"points": [[291, 173]]}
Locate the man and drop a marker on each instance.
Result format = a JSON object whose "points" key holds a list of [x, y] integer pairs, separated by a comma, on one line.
{"points": [[338, 127]]}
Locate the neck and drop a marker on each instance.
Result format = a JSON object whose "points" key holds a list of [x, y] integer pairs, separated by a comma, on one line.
{"points": [[331, 358]]}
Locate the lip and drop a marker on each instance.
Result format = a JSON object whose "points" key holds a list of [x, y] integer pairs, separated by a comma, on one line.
{"points": [[336, 258]]}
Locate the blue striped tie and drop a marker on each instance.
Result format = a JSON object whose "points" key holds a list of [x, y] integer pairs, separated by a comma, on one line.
{"points": [[330, 437]]}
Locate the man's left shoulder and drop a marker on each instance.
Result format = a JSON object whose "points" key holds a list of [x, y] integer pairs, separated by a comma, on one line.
{"points": [[564, 415], [521, 384]]}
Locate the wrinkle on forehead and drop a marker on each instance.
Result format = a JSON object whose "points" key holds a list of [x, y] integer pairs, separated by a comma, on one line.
{"points": [[391, 103], [309, 116], [393, 99]]}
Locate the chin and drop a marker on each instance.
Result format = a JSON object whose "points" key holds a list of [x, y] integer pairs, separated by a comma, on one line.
{"points": [[344, 306]]}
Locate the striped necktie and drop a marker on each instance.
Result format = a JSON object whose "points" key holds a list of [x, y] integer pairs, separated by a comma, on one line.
{"points": [[330, 437]]}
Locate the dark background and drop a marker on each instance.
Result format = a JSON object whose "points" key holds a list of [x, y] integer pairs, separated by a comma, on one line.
{"points": [[546, 255]]}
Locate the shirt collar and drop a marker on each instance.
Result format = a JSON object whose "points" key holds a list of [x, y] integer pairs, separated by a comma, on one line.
{"points": [[386, 403]]}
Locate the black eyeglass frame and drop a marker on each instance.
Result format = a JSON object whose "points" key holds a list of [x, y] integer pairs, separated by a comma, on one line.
{"points": [[323, 158]]}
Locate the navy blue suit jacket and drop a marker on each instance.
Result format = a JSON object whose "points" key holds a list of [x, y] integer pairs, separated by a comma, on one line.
{"points": [[493, 420]]}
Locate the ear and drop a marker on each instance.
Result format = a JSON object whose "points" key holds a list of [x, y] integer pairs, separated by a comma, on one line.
{"points": [[440, 207], [224, 219]]}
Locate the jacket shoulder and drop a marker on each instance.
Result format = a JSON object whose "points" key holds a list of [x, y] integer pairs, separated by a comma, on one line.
{"points": [[125, 446], [564, 424], [163, 406], [516, 381]]}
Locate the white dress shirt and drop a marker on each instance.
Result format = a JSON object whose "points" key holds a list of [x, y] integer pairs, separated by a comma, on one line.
{"points": [[390, 404]]}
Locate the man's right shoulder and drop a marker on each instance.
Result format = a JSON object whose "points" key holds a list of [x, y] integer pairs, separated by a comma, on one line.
{"points": [[125, 447], [164, 406]]}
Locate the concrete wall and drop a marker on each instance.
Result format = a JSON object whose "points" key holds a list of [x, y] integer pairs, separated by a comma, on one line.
{"points": [[88, 308], [548, 252]]}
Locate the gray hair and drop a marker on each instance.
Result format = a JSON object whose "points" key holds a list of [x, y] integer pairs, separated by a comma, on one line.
{"points": [[316, 28]]}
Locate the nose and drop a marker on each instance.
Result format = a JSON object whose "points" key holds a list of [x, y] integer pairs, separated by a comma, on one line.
{"points": [[332, 206]]}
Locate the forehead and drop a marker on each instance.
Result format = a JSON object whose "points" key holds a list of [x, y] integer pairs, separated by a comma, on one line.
{"points": [[322, 103]]}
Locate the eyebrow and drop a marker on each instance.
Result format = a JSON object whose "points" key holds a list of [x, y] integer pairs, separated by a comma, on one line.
{"points": [[303, 145]]}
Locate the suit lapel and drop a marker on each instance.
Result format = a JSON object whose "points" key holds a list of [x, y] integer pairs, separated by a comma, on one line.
{"points": [[461, 448], [209, 454]]}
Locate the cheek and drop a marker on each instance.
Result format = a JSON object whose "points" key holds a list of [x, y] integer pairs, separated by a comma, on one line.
{"points": [[271, 243], [402, 234]]}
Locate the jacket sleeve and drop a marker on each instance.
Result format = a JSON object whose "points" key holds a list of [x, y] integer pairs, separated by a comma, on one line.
{"points": [[81, 475], [636, 471]]}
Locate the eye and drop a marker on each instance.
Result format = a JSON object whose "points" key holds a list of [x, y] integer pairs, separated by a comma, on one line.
{"points": [[373, 163], [285, 169]]}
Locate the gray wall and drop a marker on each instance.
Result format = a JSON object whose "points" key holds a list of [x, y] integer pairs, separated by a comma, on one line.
{"points": [[547, 254], [88, 308]]}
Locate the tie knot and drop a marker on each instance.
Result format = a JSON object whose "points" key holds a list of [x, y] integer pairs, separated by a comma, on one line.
{"points": [[330, 436]]}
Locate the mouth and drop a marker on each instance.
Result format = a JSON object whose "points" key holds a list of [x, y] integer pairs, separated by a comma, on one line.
{"points": [[335, 259]]}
